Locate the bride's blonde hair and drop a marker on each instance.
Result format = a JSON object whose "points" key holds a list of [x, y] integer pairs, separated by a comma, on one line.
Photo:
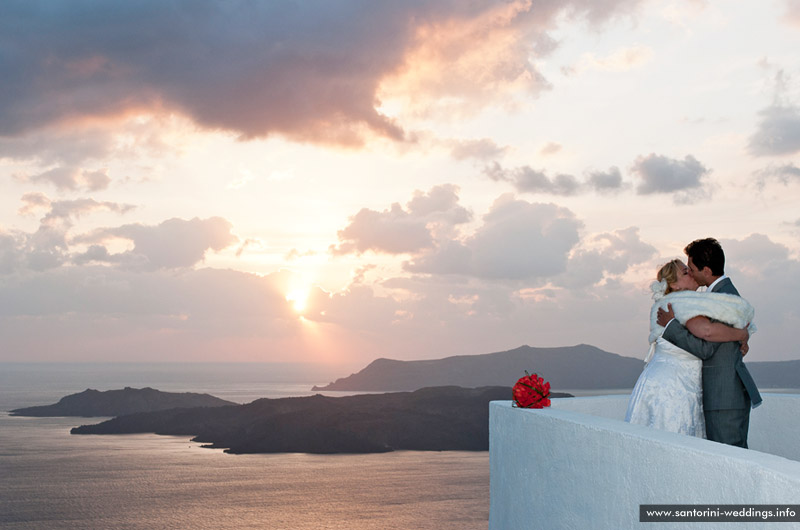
{"points": [[669, 273]]}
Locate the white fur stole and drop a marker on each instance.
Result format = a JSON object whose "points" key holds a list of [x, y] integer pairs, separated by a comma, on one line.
{"points": [[728, 308]]}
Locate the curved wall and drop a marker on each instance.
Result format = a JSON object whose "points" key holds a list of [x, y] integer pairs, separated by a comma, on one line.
{"points": [[577, 465]]}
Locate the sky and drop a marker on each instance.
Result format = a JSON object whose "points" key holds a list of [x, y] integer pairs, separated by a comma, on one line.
{"points": [[334, 182]]}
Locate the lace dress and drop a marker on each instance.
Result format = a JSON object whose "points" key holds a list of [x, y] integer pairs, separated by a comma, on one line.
{"points": [[669, 392]]}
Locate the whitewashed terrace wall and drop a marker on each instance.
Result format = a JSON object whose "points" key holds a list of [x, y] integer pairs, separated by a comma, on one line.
{"points": [[578, 465]]}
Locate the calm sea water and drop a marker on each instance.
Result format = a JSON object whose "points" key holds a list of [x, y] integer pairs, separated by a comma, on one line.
{"points": [[51, 479]]}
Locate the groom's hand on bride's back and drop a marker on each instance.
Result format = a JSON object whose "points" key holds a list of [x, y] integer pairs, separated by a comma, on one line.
{"points": [[664, 317]]}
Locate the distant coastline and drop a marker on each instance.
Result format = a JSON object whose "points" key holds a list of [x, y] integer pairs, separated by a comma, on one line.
{"points": [[583, 367], [429, 419], [439, 404]]}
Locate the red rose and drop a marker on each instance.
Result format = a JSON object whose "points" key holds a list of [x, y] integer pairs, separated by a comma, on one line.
{"points": [[531, 391]]}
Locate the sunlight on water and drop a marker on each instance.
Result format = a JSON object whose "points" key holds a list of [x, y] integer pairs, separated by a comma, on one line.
{"points": [[54, 480], [51, 479]]}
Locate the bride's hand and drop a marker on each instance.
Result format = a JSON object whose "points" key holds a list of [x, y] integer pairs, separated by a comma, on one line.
{"points": [[745, 348], [664, 317]]}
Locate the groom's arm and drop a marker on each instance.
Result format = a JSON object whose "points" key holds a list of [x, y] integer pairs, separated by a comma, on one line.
{"points": [[713, 331], [703, 328], [677, 334]]}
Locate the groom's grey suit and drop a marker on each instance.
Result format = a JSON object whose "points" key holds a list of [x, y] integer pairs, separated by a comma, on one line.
{"points": [[728, 388]]}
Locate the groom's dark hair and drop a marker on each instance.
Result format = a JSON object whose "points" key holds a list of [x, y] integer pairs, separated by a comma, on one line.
{"points": [[707, 253]]}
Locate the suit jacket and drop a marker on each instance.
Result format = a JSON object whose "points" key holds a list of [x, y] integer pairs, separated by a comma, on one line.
{"points": [[727, 383]]}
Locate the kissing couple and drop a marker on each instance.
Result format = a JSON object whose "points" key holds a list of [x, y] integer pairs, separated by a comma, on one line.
{"points": [[695, 381]]}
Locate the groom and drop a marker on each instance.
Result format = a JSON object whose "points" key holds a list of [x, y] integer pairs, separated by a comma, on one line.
{"points": [[728, 387]]}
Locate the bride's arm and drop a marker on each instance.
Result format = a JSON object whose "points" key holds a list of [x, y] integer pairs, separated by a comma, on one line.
{"points": [[702, 328]]}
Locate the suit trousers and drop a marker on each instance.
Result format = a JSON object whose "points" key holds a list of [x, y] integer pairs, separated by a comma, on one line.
{"points": [[728, 426]]}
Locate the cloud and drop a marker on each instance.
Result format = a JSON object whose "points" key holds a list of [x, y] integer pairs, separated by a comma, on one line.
{"points": [[107, 313], [68, 145], [517, 240], [96, 180], [778, 132], [605, 181], [68, 209], [532, 181], [311, 71], [784, 174], [550, 148], [71, 209], [10, 255], [486, 53], [603, 255], [598, 12], [252, 68], [528, 180], [86, 312], [399, 230], [445, 317], [482, 149], [357, 308], [41, 250], [393, 231], [525, 179], [525, 291], [248, 243], [659, 174], [95, 254], [72, 178], [174, 243], [440, 205], [49, 246], [67, 155], [33, 201], [457, 63], [767, 275]]}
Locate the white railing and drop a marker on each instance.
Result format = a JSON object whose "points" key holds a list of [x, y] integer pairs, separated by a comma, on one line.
{"points": [[578, 465]]}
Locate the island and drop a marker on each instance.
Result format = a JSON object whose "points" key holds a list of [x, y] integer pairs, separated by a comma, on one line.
{"points": [[429, 419], [94, 403], [580, 367], [570, 367]]}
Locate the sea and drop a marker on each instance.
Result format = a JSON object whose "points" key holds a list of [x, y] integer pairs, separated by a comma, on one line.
{"points": [[50, 479]]}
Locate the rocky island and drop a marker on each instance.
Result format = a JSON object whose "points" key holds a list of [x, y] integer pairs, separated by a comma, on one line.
{"points": [[94, 403], [429, 419]]}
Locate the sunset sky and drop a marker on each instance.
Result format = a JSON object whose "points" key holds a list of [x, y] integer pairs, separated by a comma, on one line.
{"points": [[336, 181]]}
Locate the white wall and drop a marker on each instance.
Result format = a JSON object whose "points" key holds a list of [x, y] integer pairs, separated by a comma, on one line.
{"points": [[578, 465], [775, 426]]}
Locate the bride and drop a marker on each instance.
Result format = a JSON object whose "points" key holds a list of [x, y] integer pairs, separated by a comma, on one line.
{"points": [[669, 392]]}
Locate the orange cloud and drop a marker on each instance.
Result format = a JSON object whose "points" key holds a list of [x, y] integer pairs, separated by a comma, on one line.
{"points": [[306, 71], [459, 61]]}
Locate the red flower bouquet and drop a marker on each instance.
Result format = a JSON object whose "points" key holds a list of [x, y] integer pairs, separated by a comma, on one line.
{"points": [[531, 392]]}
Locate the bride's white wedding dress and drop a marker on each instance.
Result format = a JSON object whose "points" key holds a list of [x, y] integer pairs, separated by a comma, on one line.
{"points": [[669, 392]]}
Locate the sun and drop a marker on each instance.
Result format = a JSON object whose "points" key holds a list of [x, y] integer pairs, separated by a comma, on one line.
{"points": [[298, 299]]}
